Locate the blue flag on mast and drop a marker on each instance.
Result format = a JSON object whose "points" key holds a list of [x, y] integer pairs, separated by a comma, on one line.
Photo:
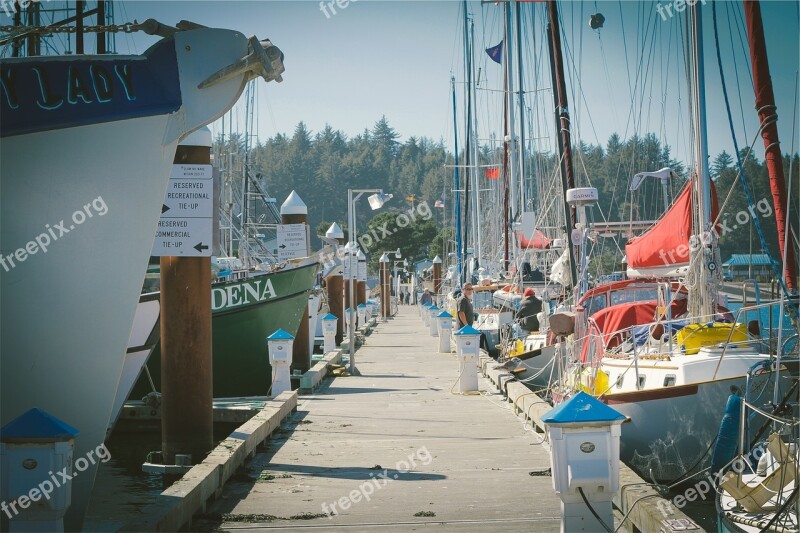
{"points": [[496, 53]]}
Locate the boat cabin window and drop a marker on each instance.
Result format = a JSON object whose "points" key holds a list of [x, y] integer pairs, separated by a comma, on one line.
{"points": [[620, 379], [669, 381], [642, 379], [634, 295], [595, 304]]}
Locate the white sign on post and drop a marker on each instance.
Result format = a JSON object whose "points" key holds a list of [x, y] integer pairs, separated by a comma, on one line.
{"points": [[292, 241], [187, 214], [362, 271]]}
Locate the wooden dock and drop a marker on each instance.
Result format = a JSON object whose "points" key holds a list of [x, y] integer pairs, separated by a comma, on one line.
{"points": [[392, 449], [395, 449]]}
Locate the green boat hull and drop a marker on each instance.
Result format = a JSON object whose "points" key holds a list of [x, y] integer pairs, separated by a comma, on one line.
{"points": [[244, 313]]}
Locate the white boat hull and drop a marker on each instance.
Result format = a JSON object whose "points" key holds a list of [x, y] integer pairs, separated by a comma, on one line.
{"points": [[671, 430], [67, 311]]}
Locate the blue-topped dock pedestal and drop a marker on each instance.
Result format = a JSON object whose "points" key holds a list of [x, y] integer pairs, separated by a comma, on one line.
{"points": [[433, 322], [329, 332], [33, 447], [584, 453], [445, 325], [280, 355], [468, 342]]}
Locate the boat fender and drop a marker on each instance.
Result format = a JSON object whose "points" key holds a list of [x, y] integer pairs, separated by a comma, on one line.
{"points": [[727, 436]]}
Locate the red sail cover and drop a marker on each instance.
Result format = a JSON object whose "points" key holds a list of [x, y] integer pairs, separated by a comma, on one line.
{"points": [[607, 323], [667, 243], [538, 242]]}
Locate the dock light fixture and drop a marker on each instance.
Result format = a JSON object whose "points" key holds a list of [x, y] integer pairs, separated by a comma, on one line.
{"points": [[377, 200]]}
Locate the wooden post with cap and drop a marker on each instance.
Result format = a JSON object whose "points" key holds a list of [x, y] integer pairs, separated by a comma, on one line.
{"points": [[187, 415], [294, 211], [437, 277], [334, 284]]}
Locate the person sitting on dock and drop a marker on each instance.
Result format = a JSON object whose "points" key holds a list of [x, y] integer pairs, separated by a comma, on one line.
{"points": [[526, 315], [426, 297]]}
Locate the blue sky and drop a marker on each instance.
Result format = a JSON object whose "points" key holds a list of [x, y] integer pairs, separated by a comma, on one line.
{"points": [[395, 58]]}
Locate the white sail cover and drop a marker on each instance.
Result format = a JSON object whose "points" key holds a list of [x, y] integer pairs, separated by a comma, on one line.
{"points": [[560, 273]]}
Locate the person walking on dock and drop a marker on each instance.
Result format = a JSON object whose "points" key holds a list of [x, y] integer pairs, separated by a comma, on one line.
{"points": [[426, 297]]}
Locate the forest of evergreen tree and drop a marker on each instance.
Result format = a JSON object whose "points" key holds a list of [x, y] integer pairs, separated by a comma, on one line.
{"points": [[321, 167]]}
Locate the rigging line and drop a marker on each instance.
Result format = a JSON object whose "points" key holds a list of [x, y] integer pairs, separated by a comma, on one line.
{"points": [[736, 70], [740, 174], [576, 82], [630, 118], [645, 68], [625, 47], [608, 79], [742, 27]]}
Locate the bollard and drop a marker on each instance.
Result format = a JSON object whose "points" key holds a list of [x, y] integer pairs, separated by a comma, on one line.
{"points": [[329, 332], [280, 355], [468, 348], [362, 314], [32, 447], [347, 320], [433, 311], [433, 325], [445, 320], [584, 454], [426, 313]]}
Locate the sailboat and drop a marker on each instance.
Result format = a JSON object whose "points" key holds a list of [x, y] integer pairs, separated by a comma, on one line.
{"points": [[659, 347], [87, 146]]}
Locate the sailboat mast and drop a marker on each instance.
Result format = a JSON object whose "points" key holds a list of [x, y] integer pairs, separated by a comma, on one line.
{"points": [[505, 184], [522, 188], [467, 143], [476, 205], [768, 117], [702, 252], [507, 64], [562, 124], [456, 196]]}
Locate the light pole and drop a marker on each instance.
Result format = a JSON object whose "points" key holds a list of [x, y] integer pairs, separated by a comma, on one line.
{"points": [[397, 256], [395, 263], [376, 201]]}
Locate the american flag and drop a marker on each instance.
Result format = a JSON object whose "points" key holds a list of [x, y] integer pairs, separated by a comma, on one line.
{"points": [[439, 202]]}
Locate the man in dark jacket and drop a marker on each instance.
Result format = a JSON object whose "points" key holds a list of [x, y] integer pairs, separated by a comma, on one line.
{"points": [[464, 312], [526, 314], [426, 297]]}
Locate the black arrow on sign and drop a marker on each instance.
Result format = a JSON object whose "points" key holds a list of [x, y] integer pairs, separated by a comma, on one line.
{"points": [[282, 246], [164, 208], [200, 247]]}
